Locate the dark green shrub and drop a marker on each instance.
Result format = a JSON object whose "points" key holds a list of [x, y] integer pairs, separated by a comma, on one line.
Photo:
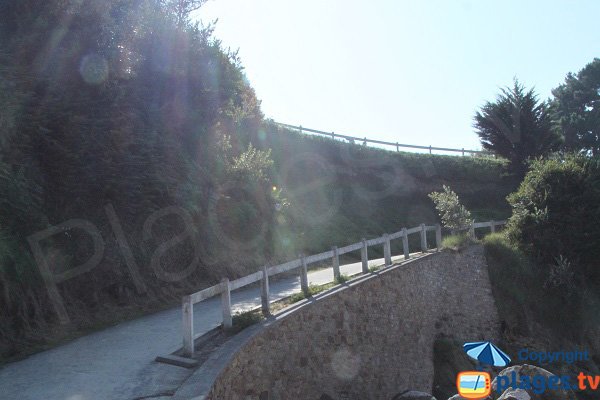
{"points": [[556, 212]]}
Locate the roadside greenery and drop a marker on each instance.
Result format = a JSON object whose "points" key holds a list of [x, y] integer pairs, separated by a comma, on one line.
{"points": [[242, 320], [456, 242], [556, 212], [453, 214]]}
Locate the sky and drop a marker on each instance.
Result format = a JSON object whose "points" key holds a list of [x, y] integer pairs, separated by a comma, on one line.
{"points": [[412, 72]]}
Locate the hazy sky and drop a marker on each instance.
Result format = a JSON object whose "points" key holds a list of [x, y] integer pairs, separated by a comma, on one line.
{"points": [[406, 71]]}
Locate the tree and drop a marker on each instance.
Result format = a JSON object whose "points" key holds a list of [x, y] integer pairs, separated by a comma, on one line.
{"points": [[453, 214], [181, 9], [517, 127], [576, 109], [117, 103]]}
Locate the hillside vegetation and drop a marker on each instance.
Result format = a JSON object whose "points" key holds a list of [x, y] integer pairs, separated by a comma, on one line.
{"points": [[136, 166], [341, 192]]}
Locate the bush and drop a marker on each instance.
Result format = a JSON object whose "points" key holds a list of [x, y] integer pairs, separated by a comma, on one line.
{"points": [[529, 297], [561, 277], [242, 320], [555, 213], [456, 242], [453, 214]]}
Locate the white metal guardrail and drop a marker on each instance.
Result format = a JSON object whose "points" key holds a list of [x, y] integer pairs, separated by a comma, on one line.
{"points": [[226, 286]]}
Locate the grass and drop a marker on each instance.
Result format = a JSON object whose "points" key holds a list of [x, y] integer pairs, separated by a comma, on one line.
{"points": [[456, 242], [242, 320], [363, 178], [511, 275], [343, 278], [312, 290]]}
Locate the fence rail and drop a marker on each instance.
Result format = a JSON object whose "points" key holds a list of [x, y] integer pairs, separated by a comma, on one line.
{"points": [[226, 286], [353, 139]]}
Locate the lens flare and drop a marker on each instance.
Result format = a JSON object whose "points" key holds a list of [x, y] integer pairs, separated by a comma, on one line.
{"points": [[345, 364], [94, 69]]}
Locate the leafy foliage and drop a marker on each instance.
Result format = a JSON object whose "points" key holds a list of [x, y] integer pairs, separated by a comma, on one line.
{"points": [[129, 104], [517, 127], [576, 109], [555, 213], [117, 103], [252, 164], [453, 214], [561, 277]]}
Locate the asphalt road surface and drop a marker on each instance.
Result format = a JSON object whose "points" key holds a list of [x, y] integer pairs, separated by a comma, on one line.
{"points": [[117, 363]]}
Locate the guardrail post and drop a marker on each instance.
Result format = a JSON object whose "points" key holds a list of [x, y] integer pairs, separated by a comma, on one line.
{"points": [[364, 256], [405, 244], [226, 304], [387, 251], [472, 229], [493, 226], [304, 276], [264, 292], [423, 238], [336, 264], [438, 236], [187, 308]]}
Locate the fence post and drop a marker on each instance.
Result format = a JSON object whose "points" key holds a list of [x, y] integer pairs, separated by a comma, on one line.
{"points": [[493, 226], [429, 149], [423, 238], [364, 256], [304, 276], [472, 229], [463, 151], [397, 146], [188, 326], [264, 292], [387, 251], [405, 244], [438, 236], [336, 264], [226, 304]]}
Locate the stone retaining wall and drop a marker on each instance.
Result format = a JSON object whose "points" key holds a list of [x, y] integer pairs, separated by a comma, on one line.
{"points": [[370, 340]]}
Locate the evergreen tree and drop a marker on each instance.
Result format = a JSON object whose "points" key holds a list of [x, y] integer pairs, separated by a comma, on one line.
{"points": [[576, 109], [517, 127]]}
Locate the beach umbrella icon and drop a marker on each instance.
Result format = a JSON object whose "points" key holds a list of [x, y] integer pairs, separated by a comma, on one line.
{"points": [[486, 353]]}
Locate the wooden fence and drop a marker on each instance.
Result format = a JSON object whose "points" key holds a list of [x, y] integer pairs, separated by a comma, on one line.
{"points": [[354, 139], [301, 265]]}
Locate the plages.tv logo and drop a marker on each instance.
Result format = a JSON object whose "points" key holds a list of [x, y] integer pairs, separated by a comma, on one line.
{"points": [[477, 384], [474, 384]]}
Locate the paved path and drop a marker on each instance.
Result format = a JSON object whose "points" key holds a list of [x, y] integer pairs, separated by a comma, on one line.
{"points": [[118, 363]]}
